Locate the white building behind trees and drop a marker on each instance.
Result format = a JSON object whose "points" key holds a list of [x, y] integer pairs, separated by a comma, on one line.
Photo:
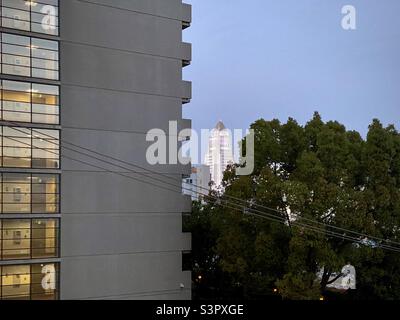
{"points": [[220, 152]]}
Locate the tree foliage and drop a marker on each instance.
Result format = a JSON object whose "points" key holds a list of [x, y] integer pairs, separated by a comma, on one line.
{"points": [[320, 172]]}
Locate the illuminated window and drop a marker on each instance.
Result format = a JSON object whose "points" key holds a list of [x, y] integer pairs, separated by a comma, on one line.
{"points": [[16, 239], [29, 102], [45, 193], [36, 16], [29, 57], [30, 148], [29, 282], [28, 238], [24, 193], [15, 282], [29, 197]]}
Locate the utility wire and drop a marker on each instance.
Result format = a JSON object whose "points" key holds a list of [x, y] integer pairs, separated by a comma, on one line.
{"points": [[180, 186], [240, 208], [262, 214], [313, 228], [207, 190]]}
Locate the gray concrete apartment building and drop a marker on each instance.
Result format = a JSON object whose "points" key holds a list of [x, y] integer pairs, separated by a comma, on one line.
{"points": [[97, 74]]}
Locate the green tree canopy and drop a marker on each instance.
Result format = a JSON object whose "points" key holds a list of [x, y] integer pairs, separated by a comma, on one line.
{"points": [[320, 172]]}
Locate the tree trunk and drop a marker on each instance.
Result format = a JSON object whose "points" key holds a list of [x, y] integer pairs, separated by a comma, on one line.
{"points": [[325, 278]]}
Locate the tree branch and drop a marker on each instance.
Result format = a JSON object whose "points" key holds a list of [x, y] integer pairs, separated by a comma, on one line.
{"points": [[336, 278]]}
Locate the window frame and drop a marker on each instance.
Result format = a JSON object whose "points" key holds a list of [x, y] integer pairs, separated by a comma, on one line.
{"points": [[30, 147], [31, 194], [27, 43], [31, 22], [31, 104], [31, 296], [32, 250]]}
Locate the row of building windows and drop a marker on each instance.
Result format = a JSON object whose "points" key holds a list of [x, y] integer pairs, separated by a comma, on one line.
{"points": [[29, 102], [29, 148], [29, 57], [28, 239], [29, 282], [29, 193], [35, 16], [25, 193]]}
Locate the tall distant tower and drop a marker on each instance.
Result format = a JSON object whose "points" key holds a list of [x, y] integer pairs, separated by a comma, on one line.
{"points": [[219, 154]]}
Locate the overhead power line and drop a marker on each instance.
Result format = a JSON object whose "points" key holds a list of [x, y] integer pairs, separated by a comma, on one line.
{"points": [[177, 186], [207, 190], [236, 206]]}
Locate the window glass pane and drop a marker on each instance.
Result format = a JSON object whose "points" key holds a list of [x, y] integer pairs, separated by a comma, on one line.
{"points": [[44, 282], [51, 135], [11, 136], [15, 282], [39, 12], [19, 4], [16, 91], [16, 86], [16, 157], [21, 149], [38, 27], [17, 98], [45, 89], [16, 101], [16, 70], [46, 109], [48, 45], [16, 60], [16, 193], [16, 40], [26, 56], [40, 118], [12, 49], [1, 200], [1, 141], [15, 55], [44, 64], [24, 282], [50, 2], [28, 239], [16, 147], [15, 14], [44, 238], [44, 55], [23, 193], [45, 152], [45, 203], [16, 239], [41, 17], [41, 98], [47, 21], [15, 19], [45, 190], [45, 74], [16, 111]]}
